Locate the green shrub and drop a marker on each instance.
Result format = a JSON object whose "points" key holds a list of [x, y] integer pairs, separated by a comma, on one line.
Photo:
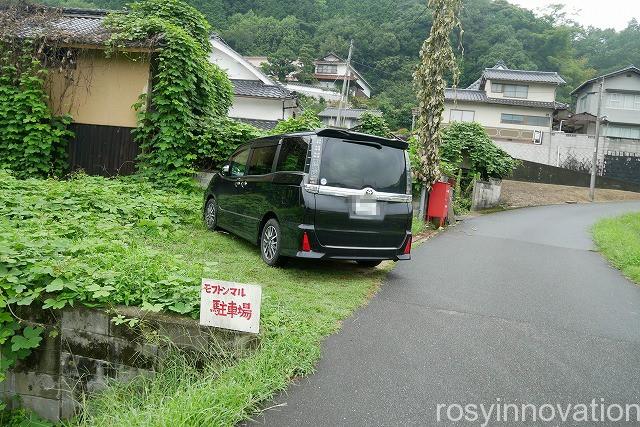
{"points": [[470, 140], [373, 125], [82, 242], [309, 120], [220, 139]]}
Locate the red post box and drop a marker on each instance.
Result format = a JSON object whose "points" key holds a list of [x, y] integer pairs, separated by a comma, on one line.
{"points": [[438, 206]]}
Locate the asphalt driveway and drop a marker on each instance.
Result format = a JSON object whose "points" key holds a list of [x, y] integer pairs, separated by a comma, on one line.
{"points": [[508, 307]]}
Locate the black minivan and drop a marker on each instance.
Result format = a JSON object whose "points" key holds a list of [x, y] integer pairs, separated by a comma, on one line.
{"points": [[326, 194]]}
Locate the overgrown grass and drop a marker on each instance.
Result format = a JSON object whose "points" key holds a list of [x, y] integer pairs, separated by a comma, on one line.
{"points": [[121, 241], [418, 225], [618, 239], [302, 304]]}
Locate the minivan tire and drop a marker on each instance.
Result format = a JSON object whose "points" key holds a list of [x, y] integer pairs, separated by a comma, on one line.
{"points": [[211, 214], [270, 243], [368, 264]]}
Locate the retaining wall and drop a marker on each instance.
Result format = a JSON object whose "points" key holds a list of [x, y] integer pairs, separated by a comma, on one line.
{"points": [[546, 174], [82, 350]]}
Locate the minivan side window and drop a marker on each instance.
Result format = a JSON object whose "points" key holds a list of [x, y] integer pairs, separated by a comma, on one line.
{"points": [[261, 162], [293, 155], [238, 163]]}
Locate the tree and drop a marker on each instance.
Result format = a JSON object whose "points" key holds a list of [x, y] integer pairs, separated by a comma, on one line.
{"points": [[373, 125], [280, 64], [436, 60]]}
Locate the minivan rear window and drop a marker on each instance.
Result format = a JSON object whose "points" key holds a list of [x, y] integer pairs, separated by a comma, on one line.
{"points": [[359, 165]]}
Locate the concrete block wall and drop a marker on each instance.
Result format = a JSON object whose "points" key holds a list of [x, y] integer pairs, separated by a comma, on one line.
{"points": [[83, 350], [486, 194], [557, 147]]}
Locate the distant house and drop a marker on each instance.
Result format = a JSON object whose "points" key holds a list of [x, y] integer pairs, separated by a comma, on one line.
{"points": [[620, 106], [258, 100], [512, 105], [350, 117], [331, 71], [97, 91]]}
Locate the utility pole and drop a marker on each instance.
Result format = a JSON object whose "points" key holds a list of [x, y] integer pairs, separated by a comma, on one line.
{"points": [[347, 75], [594, 165]]}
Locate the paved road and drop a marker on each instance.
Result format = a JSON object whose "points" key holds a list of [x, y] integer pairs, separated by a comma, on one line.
{"points": [[513, 306]]}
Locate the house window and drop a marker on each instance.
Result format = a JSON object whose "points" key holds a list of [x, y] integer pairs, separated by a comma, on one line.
{"points": [[497, 87], [326, 69], [582, 104], [515, 91], [462, 116], [614, 131], [519, 119], [623, 101]]}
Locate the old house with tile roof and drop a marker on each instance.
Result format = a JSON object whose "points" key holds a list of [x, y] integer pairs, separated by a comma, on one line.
{"points": [[512, 105], [259, 100], [96, 90]]}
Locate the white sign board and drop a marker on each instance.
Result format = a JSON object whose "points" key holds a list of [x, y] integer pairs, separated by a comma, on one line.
{"points": [[230, 305]]}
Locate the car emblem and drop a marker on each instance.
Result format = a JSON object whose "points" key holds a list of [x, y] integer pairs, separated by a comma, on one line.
{"points": [[369, 192]]}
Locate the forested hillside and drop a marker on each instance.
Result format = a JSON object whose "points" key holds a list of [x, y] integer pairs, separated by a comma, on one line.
{"points": [[388, 35]]}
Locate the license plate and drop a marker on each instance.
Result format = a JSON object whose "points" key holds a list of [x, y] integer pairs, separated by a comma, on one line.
{"points": [[365, 207]]}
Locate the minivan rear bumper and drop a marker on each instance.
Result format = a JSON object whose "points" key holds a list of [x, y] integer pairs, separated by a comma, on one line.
{"points": [[319, 251]]}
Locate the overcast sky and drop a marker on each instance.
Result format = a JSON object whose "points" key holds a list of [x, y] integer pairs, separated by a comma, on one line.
{"points": [[598, 13]]}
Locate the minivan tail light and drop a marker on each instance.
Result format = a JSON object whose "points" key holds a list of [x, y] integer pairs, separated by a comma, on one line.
{"points": [[407, 247], [306, 246]]}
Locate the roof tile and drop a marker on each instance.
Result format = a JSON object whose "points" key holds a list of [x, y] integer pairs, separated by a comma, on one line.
{"points": [[472, 95], [550, 77], [257, 88]]}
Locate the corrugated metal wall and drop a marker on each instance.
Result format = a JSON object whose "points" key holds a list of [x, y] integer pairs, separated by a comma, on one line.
{"points": [[102, 150]]}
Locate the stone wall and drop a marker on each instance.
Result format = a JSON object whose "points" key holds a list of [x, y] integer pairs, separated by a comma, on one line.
{"points": [[82, 350]]}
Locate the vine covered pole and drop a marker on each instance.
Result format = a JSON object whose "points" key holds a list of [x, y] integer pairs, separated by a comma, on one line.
{"points": [[437, 58]]}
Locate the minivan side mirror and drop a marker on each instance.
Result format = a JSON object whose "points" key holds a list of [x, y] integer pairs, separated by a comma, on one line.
{"points": [[225, 169]]}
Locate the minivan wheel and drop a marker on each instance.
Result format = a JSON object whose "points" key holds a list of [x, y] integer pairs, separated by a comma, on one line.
{"points": [[368, 264], [211, 214], [270, 242]]}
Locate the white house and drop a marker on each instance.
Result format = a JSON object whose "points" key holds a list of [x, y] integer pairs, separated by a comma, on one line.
{"points": [[512, 105], [620, 104], [258, 99]]}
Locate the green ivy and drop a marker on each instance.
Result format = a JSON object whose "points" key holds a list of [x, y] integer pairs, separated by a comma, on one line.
{"points": [[308, 120], [188, 93], [77, 241], [33, 142], [470, 142], [219, 141]]}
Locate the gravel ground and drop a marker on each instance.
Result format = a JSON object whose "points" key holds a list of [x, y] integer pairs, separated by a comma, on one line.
{"points": [[521, 194]]}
